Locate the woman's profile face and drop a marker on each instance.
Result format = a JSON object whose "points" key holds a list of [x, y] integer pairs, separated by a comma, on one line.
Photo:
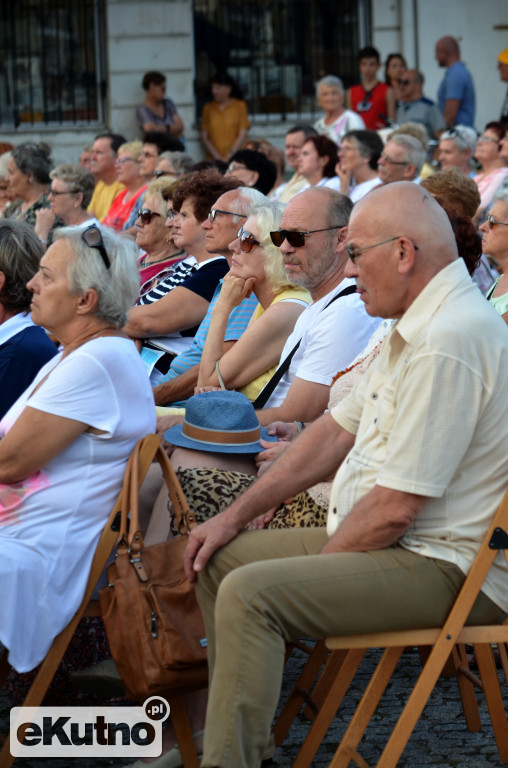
{"points": [[450, 156], [62, 198], [127, 169], [19, 184], [495, 238], [250, 264], [53, 306], [152, 235], [310, 162], [487, 146]]}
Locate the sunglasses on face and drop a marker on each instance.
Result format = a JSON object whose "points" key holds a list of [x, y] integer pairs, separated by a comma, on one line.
{"points": [[146, 215], [247, 240], [404, 82], [492, 221], [213, 213], [93, 238], [296, 239]]}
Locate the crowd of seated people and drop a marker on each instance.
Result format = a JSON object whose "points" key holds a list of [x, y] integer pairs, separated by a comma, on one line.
{"points": [[192, 279]]}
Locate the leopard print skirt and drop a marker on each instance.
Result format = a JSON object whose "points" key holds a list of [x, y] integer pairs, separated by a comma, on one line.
{"points": [[210, 491]]}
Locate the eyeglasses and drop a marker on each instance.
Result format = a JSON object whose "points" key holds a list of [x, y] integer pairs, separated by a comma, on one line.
{"points": [[388, 159], [146, 215], [247, 240], [158, 174], [93, 238], [172, 214], [152, 282], [492, 221], [213, 213], [404, 82], [144, 153], [296, 239], [236, 167], [122, 160], [55, 193], [355, 252], [486, 139]]}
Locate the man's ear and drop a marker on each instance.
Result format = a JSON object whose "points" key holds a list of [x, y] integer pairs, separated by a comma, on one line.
{"points": [[254, 179], [341, 237], [87, 303], [2, 280], [407, 255], [409, 171]]}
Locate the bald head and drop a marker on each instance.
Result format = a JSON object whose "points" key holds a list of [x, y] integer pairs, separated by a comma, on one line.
{"points": [[406, 209], [447, 51], [403, 238]]}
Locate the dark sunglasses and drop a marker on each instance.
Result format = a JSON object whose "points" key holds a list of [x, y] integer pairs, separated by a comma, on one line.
{"points": [[296, 239], [146, 215], [93, 238], [247, 240], [404, 82]]}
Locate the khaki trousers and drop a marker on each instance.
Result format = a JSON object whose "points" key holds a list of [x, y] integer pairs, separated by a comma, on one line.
{"points": [[269, 587]]}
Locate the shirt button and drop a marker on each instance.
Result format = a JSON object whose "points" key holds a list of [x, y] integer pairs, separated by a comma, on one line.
{"points": [[374, 395], [334, 510]]}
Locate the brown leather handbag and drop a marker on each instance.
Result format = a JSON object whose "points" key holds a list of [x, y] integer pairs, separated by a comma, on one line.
{"points": [[150, 611]]}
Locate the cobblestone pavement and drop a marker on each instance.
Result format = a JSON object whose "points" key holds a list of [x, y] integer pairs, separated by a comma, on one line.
{"points": [[440, 738]]}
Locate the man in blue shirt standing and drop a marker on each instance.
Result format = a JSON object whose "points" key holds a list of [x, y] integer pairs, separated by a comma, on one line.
{"points": [[456, 97]]}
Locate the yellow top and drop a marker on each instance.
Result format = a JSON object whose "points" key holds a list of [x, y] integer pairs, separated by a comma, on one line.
{"points": [[103, 196], [254, 387], [224, 125]]}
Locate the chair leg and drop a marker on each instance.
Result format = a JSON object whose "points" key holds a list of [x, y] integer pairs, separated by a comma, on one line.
{"points": [[465, 681], [328, 709], [488, 672], [183, 732], [297, 695], [365, 709], [331, 669]]}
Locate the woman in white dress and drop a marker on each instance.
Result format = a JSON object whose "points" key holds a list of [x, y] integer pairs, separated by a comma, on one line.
{"points": [[65, 441]]}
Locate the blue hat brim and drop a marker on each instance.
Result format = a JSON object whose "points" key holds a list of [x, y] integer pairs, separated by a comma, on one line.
{"points": [[175, 437]]}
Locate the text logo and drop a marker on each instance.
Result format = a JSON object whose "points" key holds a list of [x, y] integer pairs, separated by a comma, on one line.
{"points": [[89, 731]]}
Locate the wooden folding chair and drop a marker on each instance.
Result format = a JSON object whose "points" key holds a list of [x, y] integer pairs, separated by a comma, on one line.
{"points": [[445, 643], [148, 448]]}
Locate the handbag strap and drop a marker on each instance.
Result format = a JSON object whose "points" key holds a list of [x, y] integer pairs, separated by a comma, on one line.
{"points": [[185, 520], [265, 394]]}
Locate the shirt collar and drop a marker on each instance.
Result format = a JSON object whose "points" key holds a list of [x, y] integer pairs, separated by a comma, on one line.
{"points": [[430, 299], [15, 325]]}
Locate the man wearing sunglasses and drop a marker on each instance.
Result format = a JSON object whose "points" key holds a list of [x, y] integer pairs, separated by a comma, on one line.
{"points": [[332, 330], [418, 450], [416, 108], [167, 326], [221, 227]]}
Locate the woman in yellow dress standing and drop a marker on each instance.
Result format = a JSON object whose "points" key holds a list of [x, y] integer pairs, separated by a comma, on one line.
{"points": [[224, 122]]}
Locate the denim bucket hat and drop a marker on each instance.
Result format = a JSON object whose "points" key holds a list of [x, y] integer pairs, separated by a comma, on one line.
{"points": [[219, 422]]}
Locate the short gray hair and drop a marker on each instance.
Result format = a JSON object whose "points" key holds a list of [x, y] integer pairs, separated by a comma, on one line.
{"points": [[117, 287], [331, 81], [20, 254], [462, 136], [415, 152], [181, 161], [81, 180], [501, 196], [249, 201]]}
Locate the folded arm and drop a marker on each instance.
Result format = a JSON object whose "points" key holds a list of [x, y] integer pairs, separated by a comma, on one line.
{"points": [[178, 310]]}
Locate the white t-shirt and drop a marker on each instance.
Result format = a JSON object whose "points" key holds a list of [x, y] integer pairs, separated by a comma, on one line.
{"points": [[348, 121], [360, 190], [331, 338], [51, 521]]}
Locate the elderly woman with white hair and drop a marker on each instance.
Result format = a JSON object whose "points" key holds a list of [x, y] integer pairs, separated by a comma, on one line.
{"points": [[337, 120], [66, 440], [256, 267]]}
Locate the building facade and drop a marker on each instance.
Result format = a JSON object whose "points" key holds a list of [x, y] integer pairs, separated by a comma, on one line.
{"points": [[71, 68]]}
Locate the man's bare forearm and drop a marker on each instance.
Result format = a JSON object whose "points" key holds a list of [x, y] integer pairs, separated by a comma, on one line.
{"points": [[179, 388]]}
